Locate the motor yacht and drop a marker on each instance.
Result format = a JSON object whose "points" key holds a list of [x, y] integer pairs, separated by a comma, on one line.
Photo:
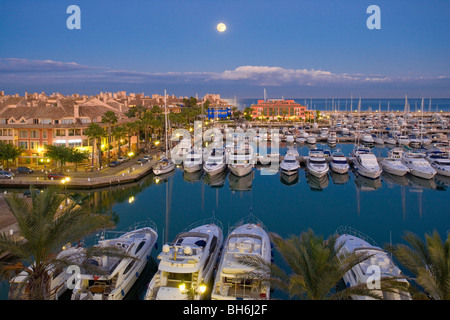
{"points": [[351, 241], [215, 162], [339, 163], [440, 161], [418, 165], [289, 165], [186, 265], [58, 275], [365, 162], [234, 279], [241, 158], [193, 161], [316, 163], [111, 276], [393, 163]]}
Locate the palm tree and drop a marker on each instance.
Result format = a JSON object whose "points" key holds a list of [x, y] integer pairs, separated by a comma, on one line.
{"points": [[317, 268], [44, 229], [428, 262], [109, 118], [95, 132], [119, 133]]}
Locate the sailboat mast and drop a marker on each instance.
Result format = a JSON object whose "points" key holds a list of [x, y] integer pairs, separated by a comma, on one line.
{"points": [[165, 119]]}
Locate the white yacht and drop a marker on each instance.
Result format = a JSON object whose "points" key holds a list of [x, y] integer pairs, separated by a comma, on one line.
{"points": [[241, 159], [235, 280], [352, 241], [365, 162], [367, 139], [338, 163], [403, 140], [390, 140], [316, 163], [163, 166], [115, 274], [418, 165], [332, 138], [215, 162], [393, 163], [193, 161], [289, 138], [440, 161], [311, 139], [289, 165], [187, 264], [58, 275]]}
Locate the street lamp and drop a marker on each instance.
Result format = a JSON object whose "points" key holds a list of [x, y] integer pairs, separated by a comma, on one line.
{"points": [[64, 182]]}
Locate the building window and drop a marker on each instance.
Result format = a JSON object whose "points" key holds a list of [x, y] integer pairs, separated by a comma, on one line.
{"points": [[66, 121], [46, 121], [23, 145], [34, 145], [23, 134], [34, 134], [44, 134]]}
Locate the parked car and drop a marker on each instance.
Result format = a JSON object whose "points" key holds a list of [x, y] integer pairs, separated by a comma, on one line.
{"points": [[141, 160], [5, 175], [24, 170], [148, 158], [56, 175], [28, 193], [122, 159], [114, 163]]}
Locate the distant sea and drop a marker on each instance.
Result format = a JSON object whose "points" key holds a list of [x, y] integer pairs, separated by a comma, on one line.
{"points": [[349, 104]]}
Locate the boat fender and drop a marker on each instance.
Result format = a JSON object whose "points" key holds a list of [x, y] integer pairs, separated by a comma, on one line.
{"points": [[122, 292], [137, 274]]}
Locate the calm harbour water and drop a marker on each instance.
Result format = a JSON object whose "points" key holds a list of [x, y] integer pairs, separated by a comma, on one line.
{"points": [[383, 209]]}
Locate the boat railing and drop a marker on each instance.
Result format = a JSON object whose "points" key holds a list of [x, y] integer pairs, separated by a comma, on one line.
{"points": [[248, 219], [138, 225], [354, 232], [212, 220]]}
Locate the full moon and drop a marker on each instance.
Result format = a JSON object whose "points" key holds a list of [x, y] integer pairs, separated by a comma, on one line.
{"points": [[221, 27]]}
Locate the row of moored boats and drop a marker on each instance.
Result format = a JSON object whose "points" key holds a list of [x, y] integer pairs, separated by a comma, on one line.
{"points": [[199, 264]]}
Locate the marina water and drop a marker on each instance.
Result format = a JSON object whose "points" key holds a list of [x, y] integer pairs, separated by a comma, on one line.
{"points": [[383, 209]]}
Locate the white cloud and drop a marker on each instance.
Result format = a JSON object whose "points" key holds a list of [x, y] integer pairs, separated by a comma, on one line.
{"points": [[15, 65]]}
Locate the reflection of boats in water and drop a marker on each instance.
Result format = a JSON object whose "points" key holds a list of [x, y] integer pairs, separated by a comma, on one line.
{"points": [[339, 178], [241, 183], [215, 181], [394, 179], [316, 183], [193, 176], [422, 183], [289, 180], [442, 181], [367, 184]]}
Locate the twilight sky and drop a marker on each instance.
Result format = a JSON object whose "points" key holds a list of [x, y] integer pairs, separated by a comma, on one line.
{"points": [[293, 48]]}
